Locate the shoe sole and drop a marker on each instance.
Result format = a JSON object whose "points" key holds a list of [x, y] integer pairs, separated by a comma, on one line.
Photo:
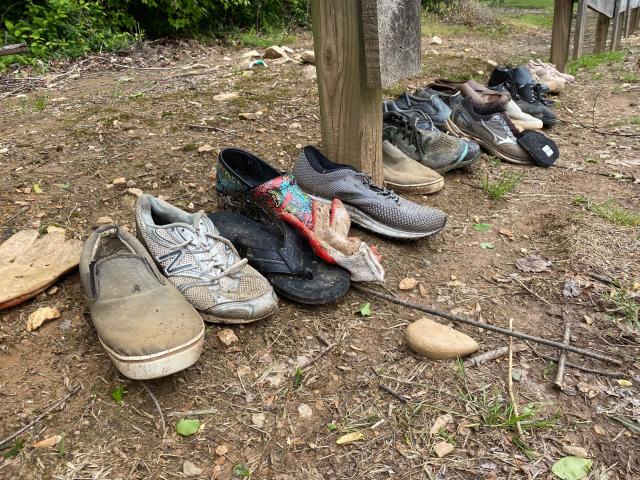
{"points": [[161, 364], [365, 221], [491, 149], [207, 317], [420, 188], [528, 124], [454, 130]]}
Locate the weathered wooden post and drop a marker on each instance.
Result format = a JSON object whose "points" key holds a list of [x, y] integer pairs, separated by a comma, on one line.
{"points": [[560, 34], [361, 46]]}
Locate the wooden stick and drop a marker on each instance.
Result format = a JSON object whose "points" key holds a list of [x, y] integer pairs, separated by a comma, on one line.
{"points": [[157, 404], [512, 396], [39, 417], [595, 371], [492, 355], [563, 357], [189, 413], [13, 49], [488, 326]]}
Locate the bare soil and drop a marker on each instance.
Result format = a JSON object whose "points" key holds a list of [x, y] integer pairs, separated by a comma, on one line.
{"points": [[128, 116]]}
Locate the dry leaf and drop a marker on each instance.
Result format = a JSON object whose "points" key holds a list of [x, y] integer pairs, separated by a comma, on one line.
{"points": [[423, 290], [222, 450], [575, 451], [533, 263], [624, 383], [408, 283], [205, 148], [48, 442], [507, 233], [40, 316], [441, 422], [227, 336], [350, 438]]}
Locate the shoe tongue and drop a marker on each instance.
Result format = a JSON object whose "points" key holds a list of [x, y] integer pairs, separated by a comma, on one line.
{"points": [[522, 76]]}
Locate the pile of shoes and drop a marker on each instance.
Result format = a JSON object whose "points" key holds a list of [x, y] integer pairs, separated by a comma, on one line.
{"points": [[276, 233], [443, 125]]}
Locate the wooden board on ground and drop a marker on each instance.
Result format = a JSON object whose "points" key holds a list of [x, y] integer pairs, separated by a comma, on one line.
{"points": [[391, 31]]}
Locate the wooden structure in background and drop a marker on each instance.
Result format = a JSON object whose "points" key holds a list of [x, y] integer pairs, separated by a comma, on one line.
{"points": [[360, 47], [622, 15]]}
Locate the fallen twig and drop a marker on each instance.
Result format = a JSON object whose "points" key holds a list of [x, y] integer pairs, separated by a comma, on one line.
{"points": [[512, 396], [602, 279], [487, 326], [42, 415], [563, 357], [389, 390], [595, 371], [189, 413], [492, 355], [17, 214], [211, 127], [318, 356], [157, 404], [519, 282]]}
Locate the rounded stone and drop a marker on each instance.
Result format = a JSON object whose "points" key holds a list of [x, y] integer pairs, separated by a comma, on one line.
{"points": [[438, 342]]}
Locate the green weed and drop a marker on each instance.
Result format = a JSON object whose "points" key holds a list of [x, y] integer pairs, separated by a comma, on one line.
{"points": [[590, 61], [610, 211], [504, 184], [625, 303], [531, 20], [529, 4], [630, 78], [265, 39], [39, 103]]}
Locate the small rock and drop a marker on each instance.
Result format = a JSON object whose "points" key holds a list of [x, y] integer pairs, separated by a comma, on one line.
{"points": [[588, 320], [274, 52], [48, 442], [575, 451], [533, 263], [492, 63], [247, 116], [309, 72], [41, 315], [148, 166], [119, 181], [53, 290], [131, 183], [104, 220], [258, 419], [53, 228], [252, 54], [408, 283], [443, 448], [441, 422], [222, 450], [136, 192], [308, 56], [206, 148], [227, 336], [438, 342], [190, 470], [295, 126], [571, 289], [305, 411], [435, 40], [287, 50], [221, 97]]}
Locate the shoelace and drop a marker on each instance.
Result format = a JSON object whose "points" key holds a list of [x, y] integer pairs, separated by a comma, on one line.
{"points": [[366, 181], [408, 130], [213, 259]]}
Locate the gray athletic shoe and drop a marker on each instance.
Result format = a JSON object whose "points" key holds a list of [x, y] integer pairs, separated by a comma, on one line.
{"points": [[203, 266], [372, 207], [490, 129], [432, 148], [428, 102]]}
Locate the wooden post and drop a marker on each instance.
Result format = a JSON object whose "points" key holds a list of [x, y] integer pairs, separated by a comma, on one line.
{"points": [[602, 31], [560, 36], [350, 110], [615, 34], [635, 17], [581, 24]]}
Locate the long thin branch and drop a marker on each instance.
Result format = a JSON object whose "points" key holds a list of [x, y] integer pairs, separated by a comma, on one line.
{"points": [[563, 357], [512, 396], [487, 326], [157, 404]]}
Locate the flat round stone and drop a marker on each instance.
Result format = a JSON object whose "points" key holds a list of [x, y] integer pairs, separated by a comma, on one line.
{"points": [[438, 342]]}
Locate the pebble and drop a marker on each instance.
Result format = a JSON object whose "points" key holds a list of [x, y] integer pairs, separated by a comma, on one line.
{"points": [[136, 192], [247, 116], [189, 469], [104, 220], [258, 419], [274, 52], [435, 40], [41, 315], [438, 342], [205, 148], [308, 56], [575, 451], [48, 442], [443, 448], [221, 97], [227, 336], [119, 181], [305, 411]]}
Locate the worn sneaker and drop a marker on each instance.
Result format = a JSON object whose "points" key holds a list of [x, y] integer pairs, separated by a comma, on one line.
{"points": [[548, 70], [404, 174], [146, 326], [429, 103], [490, 129], [432, 148], [372, 207], [522, 120], [204, 266], [527, 94]]}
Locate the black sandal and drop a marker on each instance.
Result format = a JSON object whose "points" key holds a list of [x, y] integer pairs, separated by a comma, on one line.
{"points": [[278, 253]]}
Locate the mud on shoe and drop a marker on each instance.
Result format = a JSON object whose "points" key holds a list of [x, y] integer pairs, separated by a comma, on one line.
{"points": [[203, 265], [146, 326]]}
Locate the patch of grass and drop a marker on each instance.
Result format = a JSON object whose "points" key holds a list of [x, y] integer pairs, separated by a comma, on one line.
{"points": [[528, 20], [630, 77], [591, 60], [529, 4], [626, 303], [39, 103], [610, 211], [502, 185], [432, 26], [265, 39]]}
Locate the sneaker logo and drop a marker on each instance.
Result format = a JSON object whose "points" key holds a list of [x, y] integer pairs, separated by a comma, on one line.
{"points": [[173, 257], [498, 140]]}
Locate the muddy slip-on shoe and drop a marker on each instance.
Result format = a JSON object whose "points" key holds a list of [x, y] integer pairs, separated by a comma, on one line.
{"points": [[204, 266], [404, 174], [146, 326], [370, 206], [492, 130], [480, 94]]}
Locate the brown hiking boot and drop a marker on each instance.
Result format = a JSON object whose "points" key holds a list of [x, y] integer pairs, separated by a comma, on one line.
{"points": [[403, 174], [480, 95]]}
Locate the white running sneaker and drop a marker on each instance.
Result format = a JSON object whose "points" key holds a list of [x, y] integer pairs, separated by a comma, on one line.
{"points": [[522, 120], [202, 265]]}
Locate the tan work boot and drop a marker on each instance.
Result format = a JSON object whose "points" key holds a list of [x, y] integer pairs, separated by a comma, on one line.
{"points": [[403, 174]]}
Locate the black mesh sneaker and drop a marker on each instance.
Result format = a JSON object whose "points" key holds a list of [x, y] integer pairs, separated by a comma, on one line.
{"points": [[527, 94]]}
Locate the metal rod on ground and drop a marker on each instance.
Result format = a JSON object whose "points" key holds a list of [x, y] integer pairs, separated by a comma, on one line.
{"points": [[563, 357], [488, 326]]}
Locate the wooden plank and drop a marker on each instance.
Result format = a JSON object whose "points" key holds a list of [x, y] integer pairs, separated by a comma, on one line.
{"points": [[602, 31], [581, 24], [350, 110], [560, 35], [392, 43], [13, 49]]}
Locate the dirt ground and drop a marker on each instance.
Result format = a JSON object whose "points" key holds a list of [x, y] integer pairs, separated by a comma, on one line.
{"points": [[128, 116]]}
